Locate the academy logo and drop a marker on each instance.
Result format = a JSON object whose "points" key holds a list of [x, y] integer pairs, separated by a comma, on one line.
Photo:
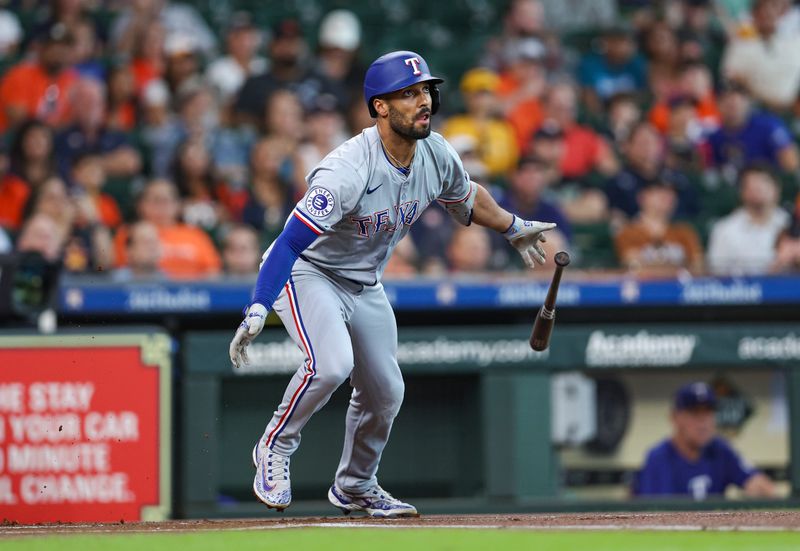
{"points": [[638, 350], [319, 202], [770, 348], [480, 352]]}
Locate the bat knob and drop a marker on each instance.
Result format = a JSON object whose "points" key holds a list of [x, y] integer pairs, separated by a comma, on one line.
{"points": [[562, 258]]}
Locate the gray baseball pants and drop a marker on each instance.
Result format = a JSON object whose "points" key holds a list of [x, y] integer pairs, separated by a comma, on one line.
{"points": [[346, 330]]}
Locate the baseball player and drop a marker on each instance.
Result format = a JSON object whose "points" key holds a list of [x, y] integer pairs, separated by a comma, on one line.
{"points": [[322, 276], [695, 461]]}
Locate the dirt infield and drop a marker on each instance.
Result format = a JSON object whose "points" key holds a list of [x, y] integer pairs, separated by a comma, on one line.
{"points": [[690, 521]]}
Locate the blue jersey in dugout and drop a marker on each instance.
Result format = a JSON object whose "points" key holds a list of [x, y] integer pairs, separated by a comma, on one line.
{"points": [[667, 473]]}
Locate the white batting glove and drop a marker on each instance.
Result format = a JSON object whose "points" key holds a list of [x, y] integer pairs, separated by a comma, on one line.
{"points": [[526, 236], [248, 330]]}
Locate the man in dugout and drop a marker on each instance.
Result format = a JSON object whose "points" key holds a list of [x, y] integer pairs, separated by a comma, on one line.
{"points": [[695, 462]]}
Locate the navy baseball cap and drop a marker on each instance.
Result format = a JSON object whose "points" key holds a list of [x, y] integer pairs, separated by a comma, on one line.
{"points": [[694, 395]]}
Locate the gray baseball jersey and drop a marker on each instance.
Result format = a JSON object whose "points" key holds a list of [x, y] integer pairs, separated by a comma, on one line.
{"points": [[365, 206]]}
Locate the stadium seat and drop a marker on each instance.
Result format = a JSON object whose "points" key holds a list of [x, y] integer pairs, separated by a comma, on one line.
{"points": [[594, 245]]}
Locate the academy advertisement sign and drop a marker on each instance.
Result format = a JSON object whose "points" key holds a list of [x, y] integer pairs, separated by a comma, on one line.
{"points": [[687, 345], [475, 349], [639, 349], [84, 428], [691, 346], [283, 356], [785, 347]]}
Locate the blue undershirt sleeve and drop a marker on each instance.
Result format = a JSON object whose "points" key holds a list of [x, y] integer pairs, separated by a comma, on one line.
{"points": [[277, 267]]}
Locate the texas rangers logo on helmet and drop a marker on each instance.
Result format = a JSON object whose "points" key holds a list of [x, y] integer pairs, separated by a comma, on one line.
{"points": [[413, 62], [385, 76], [319, 202]]}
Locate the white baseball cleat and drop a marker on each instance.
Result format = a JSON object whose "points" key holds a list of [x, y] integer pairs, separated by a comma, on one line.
{"points": [[271, 483], [376, 502]]}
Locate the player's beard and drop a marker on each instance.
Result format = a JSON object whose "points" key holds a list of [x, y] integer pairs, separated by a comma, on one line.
{"points": [[407, 129]]}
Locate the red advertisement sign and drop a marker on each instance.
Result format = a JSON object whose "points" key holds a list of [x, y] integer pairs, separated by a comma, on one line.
{"points": [[84, 428]]}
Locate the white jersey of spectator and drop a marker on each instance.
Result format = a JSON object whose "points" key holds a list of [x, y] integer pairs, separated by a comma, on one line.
{"points": [[769, 67], [739, 246], [789, 23]]}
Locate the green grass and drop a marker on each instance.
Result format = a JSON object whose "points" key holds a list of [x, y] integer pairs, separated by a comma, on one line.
{"points": [[413, 539]]}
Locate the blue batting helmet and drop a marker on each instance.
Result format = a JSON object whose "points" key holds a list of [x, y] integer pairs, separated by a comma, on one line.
{"points": [[394, 71]]}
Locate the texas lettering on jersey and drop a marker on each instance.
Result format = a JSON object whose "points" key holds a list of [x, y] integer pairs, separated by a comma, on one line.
{"points": [[405, 215]]}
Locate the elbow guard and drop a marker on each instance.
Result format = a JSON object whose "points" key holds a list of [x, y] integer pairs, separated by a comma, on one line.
{"points": [[461, 210]]}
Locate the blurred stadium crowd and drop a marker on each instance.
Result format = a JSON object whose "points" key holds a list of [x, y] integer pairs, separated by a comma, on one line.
{"points": [[142, 141]]}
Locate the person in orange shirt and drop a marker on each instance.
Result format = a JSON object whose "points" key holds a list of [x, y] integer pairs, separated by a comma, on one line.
{"points": [[14, 193], [652, 244], [148, 60], [187, 251], [121, 98], [94, 206], [696, 82], [40, 88], [521, 88], [30, 164], [585, 151]]}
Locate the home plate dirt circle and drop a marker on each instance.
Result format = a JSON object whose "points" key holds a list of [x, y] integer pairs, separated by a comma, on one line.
{"points": [[773, 520]]}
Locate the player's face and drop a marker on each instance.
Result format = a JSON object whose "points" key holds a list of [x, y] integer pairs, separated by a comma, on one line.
{"points": [[695, 426], [410, 111]]}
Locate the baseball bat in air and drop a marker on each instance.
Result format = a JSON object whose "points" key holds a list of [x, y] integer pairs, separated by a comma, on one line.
{"points": [[546, 318]]}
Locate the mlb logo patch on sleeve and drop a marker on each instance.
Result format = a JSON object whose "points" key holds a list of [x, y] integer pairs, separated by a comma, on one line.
{"points": [[319, 202]]}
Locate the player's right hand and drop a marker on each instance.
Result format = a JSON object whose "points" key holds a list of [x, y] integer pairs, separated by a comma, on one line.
{"points": [[248, 330]]}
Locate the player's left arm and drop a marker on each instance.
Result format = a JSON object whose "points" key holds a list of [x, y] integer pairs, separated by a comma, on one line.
{"points": [[524, 235], [273, 274], [469, 202]]}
